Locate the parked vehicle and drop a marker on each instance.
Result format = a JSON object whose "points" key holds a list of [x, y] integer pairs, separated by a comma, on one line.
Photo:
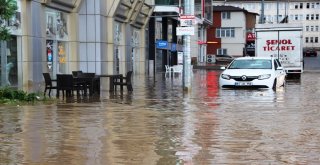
{"points": [[223, 58], [258, 72], [308, 52], [281, 41]]}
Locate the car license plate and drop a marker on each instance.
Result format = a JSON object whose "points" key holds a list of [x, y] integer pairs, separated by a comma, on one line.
{"points": [[243, 83]]}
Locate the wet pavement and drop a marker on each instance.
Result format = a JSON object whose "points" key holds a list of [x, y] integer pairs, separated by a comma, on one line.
{"points": [[160, 124]]}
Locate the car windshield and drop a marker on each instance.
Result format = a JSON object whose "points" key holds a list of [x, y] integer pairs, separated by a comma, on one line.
{"points": [[251, 64]]}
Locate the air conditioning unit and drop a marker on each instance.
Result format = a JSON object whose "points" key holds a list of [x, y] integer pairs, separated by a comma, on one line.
{"points": [[211, 58]]}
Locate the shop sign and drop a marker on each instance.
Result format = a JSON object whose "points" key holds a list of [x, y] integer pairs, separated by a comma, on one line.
{"points": [[251, 36], [183, 31], [187, 20], [161, 44], [173, 47]]}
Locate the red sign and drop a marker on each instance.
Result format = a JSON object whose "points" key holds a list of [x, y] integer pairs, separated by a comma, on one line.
{"points": [[202, 42], [251, 36]]}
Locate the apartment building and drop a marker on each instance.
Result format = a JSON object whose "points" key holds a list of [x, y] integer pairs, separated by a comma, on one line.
{"points": [[305, 12], [228, 34]]}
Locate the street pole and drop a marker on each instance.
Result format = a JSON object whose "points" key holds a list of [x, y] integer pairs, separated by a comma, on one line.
{"points": [[188, 10], [277, 11], [261, 21]]}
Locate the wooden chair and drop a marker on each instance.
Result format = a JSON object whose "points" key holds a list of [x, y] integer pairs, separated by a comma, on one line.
{"points": [[65, 84], [48, 83], [124, 81]]}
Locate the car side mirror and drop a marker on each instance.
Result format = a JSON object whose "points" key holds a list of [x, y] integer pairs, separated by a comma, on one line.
{"points": [[280, 68], [223, 68]]}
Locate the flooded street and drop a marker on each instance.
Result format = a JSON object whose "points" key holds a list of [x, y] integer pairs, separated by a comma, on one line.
{"points": [[160, 124]]}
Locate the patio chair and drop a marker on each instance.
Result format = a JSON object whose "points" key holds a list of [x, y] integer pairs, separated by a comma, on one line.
{"points": [[76, 73], [168, 69], [123, 81], [88, 80], [65, 84], [48, 83]]}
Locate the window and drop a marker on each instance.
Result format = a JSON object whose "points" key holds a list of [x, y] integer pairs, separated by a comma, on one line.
{"points": [[301, 5], [300, 17], [316, 40], [221, 51], [225, 15], [311, 28], [296, 17], [307, 28], [291, 17], [225, 32], [312, 17], [311, 39], [317, 17], [312, 5], [307, 17], [308, 5], [316, 28], [307, 39], [296, 6]]}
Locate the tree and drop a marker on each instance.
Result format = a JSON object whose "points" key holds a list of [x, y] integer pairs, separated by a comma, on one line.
{"points": [[7, 9]]}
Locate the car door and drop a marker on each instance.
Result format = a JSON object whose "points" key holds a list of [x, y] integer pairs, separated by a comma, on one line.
{"points": [[280, 73]]}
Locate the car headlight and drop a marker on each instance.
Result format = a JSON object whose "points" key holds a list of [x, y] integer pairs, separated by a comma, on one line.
{"points": [[264, 76], [225, 76]]}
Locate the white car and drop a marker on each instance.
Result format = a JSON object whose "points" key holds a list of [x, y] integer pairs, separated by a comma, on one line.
{"points": [[259, 72]]}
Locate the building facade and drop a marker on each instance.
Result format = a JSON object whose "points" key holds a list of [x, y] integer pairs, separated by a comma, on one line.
{"points": [[55, 36], [305, 12], [228, 35], [163, 31]]}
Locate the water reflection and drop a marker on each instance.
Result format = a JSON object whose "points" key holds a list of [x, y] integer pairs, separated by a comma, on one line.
{"points": [[158, 123]]}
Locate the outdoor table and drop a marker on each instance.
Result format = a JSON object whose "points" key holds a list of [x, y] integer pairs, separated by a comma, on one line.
{"points": [[111, 77], [86, 82]]}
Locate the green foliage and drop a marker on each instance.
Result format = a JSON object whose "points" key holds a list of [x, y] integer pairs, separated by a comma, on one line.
{"points": [[7, 9], [8, 94]]}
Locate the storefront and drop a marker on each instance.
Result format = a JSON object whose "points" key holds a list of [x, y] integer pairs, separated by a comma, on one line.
{"points": [[11, 52], [56, 42]]}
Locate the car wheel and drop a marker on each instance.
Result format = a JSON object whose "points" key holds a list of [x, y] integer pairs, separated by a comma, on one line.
{"points": [[274, 87]]}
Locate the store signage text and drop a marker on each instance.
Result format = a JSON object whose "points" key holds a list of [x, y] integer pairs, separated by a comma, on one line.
{"points": [[282, 45]]}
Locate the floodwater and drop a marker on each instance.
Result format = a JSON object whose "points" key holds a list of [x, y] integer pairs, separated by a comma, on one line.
{"points": [[160, 124]]}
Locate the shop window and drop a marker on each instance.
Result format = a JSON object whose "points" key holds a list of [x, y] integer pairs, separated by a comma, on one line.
{"points": [[56, 25], [8, 63], [62, 57]]}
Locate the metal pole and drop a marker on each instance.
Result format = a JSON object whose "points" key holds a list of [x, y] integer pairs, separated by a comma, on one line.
{"points": [[188, 10], [277, 11], [261, 21]]}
